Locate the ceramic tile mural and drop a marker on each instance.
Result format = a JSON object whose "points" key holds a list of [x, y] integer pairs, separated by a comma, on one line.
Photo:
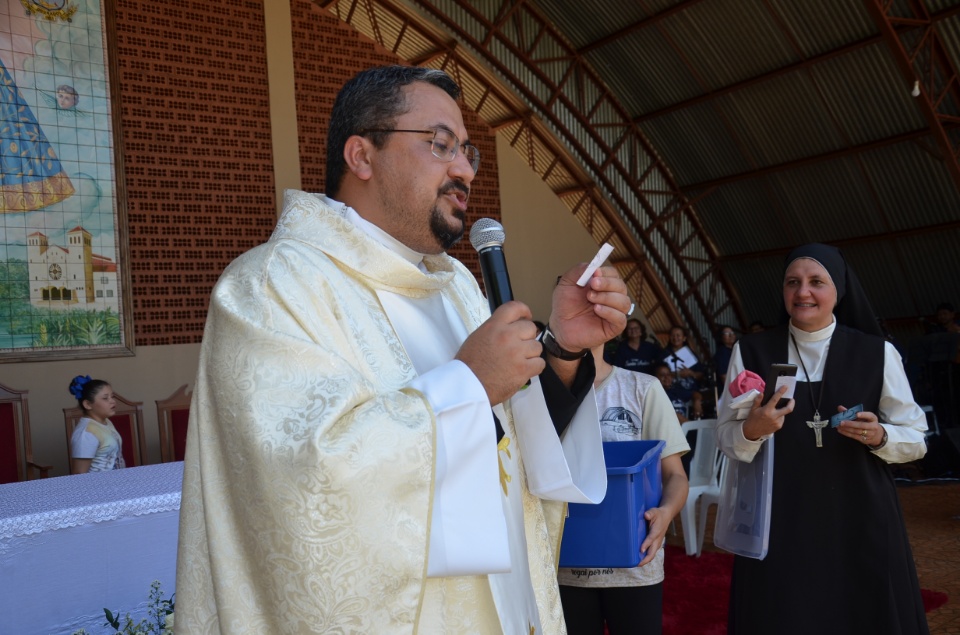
{"points": [[61, 270]]}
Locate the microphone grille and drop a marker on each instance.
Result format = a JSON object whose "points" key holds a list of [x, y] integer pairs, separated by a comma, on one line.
{"points": [[486, 232]]}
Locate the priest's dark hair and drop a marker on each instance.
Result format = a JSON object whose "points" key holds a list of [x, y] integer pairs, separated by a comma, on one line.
{"points": [[853, 308], [373, 98]]}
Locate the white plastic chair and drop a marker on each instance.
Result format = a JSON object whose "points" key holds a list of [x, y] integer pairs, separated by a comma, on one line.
{"points": [[708, 498], [704, 481]]}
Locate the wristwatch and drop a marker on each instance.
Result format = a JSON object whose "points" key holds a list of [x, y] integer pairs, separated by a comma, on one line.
{"points": [[550, 345], [882, 443]]}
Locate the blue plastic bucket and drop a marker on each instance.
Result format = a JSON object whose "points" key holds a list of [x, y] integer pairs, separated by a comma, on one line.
{"points": [[610, 534]]}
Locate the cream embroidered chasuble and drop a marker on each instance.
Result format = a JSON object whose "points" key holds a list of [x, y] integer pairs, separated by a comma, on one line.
{"points": [[309, 480]]}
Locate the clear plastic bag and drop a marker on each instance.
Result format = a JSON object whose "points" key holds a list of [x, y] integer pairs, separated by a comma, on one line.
{"points": [[743, 512]]}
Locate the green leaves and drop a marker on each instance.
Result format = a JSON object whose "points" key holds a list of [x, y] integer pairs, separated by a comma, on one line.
{"points": [[111, 620], [159, 619]]}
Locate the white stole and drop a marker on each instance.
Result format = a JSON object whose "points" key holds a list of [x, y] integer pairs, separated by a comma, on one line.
{"points": [[468, 531], [570, 469], [474, 528]]}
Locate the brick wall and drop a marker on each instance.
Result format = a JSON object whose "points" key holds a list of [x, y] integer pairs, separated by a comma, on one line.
{"points": [[198, 163], [196, 143]]}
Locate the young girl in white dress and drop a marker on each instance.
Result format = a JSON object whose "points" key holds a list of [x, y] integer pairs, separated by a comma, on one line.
{"points": [[95, 445]]}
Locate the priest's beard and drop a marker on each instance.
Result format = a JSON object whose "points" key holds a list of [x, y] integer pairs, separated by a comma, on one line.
{"points": [[444, 232]]}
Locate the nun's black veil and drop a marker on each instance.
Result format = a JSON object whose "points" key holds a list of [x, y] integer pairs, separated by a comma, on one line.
{"points": [[853, 308]]}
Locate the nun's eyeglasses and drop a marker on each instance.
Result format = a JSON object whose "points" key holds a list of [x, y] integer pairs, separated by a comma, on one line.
{"points": [[445, 145]]}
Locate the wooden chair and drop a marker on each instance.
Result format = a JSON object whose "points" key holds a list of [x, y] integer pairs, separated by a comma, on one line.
{"points": [[16, 449], [127, 419], [173, 414]]}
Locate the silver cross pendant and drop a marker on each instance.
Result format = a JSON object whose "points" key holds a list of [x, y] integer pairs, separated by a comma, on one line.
{"points": [[817, 426]]}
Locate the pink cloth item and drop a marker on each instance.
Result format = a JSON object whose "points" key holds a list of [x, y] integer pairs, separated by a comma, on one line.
{"points": [[745, 382]]}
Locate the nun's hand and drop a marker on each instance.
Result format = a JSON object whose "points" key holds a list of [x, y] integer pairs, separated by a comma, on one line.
{"points": [[766, 419], [865, 428]]}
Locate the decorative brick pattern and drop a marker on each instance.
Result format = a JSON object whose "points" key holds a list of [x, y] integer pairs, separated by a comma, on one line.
{"points": [[197, 153], [327, 53]]}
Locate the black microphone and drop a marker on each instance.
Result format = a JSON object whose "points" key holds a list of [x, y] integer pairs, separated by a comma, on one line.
{"points": [[487, 238]]}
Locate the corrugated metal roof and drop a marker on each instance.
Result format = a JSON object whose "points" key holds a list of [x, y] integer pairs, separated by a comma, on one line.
{"points": [[785, 122], [832, 150]]}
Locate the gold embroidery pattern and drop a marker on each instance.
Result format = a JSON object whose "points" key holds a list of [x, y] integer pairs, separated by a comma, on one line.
{"points": [[51, 11], [504, 446], [533, 630], [29, 196]]}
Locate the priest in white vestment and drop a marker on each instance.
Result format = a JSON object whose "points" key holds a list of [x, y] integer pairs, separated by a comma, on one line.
{"points": [[363, 455]]}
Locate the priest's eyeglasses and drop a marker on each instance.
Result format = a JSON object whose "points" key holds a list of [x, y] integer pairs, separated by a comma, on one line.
{"points": [[445, 145]]}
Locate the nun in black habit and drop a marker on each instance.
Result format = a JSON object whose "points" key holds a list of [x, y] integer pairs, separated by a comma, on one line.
{"points": [[838, 560]]}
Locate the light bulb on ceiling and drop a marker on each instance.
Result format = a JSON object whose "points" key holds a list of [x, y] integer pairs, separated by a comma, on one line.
{"points": [[916, 88]]}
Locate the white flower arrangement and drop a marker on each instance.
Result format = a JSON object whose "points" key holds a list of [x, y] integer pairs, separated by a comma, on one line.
{"points": [[158, 622]]}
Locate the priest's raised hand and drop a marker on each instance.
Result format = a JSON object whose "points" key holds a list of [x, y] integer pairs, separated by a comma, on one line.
{"points": [[588, 316], [504, 352]]}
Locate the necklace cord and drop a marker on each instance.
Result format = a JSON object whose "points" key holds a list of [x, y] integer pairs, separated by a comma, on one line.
{"points": [[816, 405]]}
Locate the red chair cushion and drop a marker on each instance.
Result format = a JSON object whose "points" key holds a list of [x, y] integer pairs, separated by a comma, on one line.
{"points": [[8, 444], [178, 429], [124, 425]]}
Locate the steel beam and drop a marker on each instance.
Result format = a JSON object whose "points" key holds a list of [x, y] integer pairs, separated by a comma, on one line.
{"points": [[930, 66], [636, 26], [819, 158], [858, 240]]}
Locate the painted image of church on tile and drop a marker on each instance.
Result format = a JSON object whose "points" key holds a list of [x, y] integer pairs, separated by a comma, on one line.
{"points": [[70, 276]]}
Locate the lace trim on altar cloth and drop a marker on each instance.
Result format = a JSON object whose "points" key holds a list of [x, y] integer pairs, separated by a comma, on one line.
{"points": [[42, 505]]}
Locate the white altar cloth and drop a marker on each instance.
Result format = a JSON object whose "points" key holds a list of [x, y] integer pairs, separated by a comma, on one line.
{"points": [[73, 545]]}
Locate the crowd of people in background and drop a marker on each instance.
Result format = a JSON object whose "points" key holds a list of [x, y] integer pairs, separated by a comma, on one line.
{"points": [[945, 320], [686, 378], [635, 351]]}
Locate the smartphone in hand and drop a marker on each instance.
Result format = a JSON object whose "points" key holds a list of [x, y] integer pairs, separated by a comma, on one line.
{"points": [[846, 415], [780, 375]]}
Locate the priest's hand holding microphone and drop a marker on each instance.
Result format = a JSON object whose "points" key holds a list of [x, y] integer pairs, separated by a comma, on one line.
{"points": [[504, 352]]}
